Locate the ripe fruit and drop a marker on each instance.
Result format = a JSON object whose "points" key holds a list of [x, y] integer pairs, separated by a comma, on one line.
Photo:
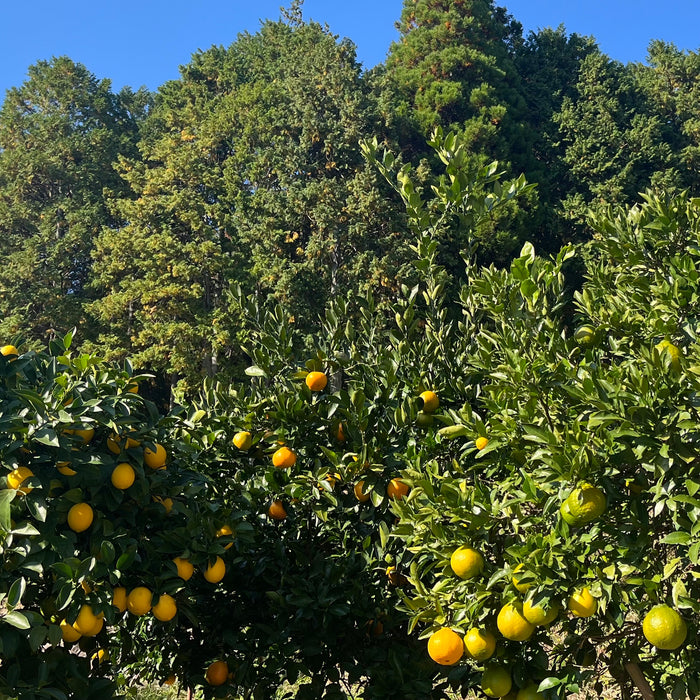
{"points": [[167, 503], [69, 633], [65, 469], [511, 623], [481, 442], [216, 571], [582, 603], [529, 692], [430, 401], [115, 443], [155, 460], [284, 458], [87, 623], [496, 681], [276, 510], [360, 494], [123, 476], [664, 628], [397, 489], [537, 615], [585, 335], [225, 531], [184, 568], [9, 351], [217, 673], [138, 602], [119, 598], [339, 432], [674, 353], [243, 440], [522, 587], [100, 655], [165, 609], [584, 504], [445, 647], [80, 517], [480, 644], [17, 476], [466, 562], [316, 381]]}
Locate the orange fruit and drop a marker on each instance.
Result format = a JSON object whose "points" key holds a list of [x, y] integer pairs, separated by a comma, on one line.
{"points": [[360, 494], [284, 458], [243, 440], [116, 443], [466, 562], [80, 517], [167, 503], [512, 624], [139, 601], [276, 510], [9, 351], [119, 598], [445, 647], [397, 489], [216, 571], [664, 628], [184, 568], [123, 476], [155, 460], [17, 476], [396, 578], [481, 442], [165, 609], [170, 680], [430, 401], [217, 673], [85, 434], [582, 603], [339, 432], [225, 531], [316, 381]]}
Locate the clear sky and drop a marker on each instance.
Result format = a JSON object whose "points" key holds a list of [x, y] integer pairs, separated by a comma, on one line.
{"points": [[143, 42]]}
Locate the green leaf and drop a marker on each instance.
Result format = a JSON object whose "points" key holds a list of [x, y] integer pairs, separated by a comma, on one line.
{"points": [[255, 371], [16, 619]]}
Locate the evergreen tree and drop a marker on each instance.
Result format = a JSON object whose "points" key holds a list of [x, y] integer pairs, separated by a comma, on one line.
{"points": [[60, 133]]}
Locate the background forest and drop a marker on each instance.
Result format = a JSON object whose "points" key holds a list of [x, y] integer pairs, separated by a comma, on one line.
{"points": [[137, 217]]}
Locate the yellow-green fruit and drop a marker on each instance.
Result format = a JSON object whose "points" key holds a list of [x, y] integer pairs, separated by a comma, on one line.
{"points": [[480, 644], [584, 504], [522, 587], [539, 616], [496, 681], [585, 335], [466, 562], [664, 627], [529, 692], [582, 603], [511, 623], [673, 352], [243, 440]]}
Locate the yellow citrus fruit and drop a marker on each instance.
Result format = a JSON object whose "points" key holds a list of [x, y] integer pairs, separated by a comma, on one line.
{"points": [[445, 647], [9, 351], [80, 517], [496, 681], [529, 692], [360, 494], [243, 440], [170, 680], [584, 335], [87, 623], [123, 476], [673, 351], [217, 673], [225, 531], [480, 644], [139, 601], [276, 510], [165, 609], [184, 568], [65, 469], [216, 571], [481, 442], [115, 443], [119, 598], [466, 562], [69, 633], [397, 489], [582, 603], [17, 476], [339, 432], [284, 458], [100, 655], [167, 502], [316, 381], [155, 460], [430, 401], [511, 623], [522, 587], [539, 616], [664, 628], [584, 504]]}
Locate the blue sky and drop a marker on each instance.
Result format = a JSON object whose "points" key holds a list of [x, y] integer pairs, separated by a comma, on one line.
{"points": [[143, 43]]}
